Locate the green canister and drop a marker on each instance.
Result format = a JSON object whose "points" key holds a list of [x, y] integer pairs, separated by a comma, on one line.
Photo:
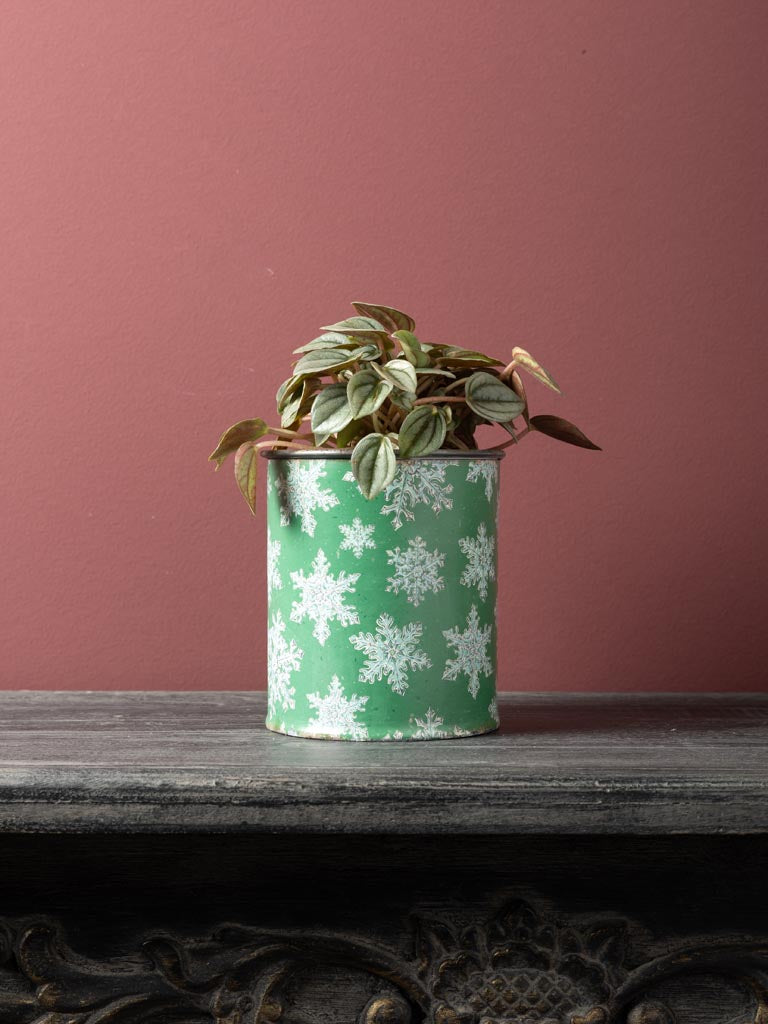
{"points": [[381, 614]]}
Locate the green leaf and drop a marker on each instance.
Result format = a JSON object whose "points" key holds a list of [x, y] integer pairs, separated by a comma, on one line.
{"points": [[246, 467], [412, 349], [465, 428], [348, 434], [240, 433], [299, 403], [388, 317], [328, 340], [562, 430], [366, 391], [399, 373], [454, 356], [490, 398], [402, 399], [358, 327], [291, 410], [434, 370], [366, 353], [286, 390], [323, 361], [373, 464], [330, 411], [526, 360], [422, 432]]}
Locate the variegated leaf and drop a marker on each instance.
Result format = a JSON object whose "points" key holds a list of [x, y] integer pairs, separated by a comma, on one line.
{"points": [[374, 464], [231, 439], [330, 339], [398, 372], [491, 399], [246, 473], [392, 319], [526, 360], [422, 431], [366, 392], [330, 411], [412, 349], [323, 361]]}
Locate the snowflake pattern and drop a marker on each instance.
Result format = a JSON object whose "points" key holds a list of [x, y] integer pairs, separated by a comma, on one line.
{"points": [[283, 658], [274, 579], [486, 470], [416, 571], [493, 711], [322, 597], [471, 652], [357, 537], [480, 568], [392, 652], [300, 493], [335, 713], [429, 727], [416, 483]]}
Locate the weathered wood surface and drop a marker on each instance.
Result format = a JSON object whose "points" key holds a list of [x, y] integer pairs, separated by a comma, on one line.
{"points": [[202, 762]]}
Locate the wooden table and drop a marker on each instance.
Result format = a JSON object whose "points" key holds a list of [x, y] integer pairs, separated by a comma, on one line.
{"points": [[167, 861]]}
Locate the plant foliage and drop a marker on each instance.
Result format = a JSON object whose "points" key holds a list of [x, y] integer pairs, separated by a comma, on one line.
{"points": [[369, 385]]}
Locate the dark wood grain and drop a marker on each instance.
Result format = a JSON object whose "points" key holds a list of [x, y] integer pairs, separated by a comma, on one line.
{"points": [[202, 762]]}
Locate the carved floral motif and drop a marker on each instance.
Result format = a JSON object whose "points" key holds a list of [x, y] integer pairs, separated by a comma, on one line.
{"points": [[518, 968]]}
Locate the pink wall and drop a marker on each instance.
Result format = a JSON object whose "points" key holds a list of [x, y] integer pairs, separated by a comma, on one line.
{"points": [[187, 190]]}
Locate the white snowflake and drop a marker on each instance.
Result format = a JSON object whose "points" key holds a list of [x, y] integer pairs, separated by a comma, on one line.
{"points": [[396, 735], [322, 597], [416, 571], [300, 493], [481, 561], [429, 727], [417, 482], [471, 652], [493, 711], [282, 659], [486, 470], [357, 537], [461, 734], [335, 713], [274, 579], [391, 651]]}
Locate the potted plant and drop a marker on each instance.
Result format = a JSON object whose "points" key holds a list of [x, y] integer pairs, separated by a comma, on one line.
{"points": [[381, 513]]}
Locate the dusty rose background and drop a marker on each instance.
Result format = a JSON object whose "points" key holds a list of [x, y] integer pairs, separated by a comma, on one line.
{"points": [[187, 190]]}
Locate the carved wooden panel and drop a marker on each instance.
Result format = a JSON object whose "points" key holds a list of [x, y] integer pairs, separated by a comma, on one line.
{"points": [[302, 929], [520, 966]]}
